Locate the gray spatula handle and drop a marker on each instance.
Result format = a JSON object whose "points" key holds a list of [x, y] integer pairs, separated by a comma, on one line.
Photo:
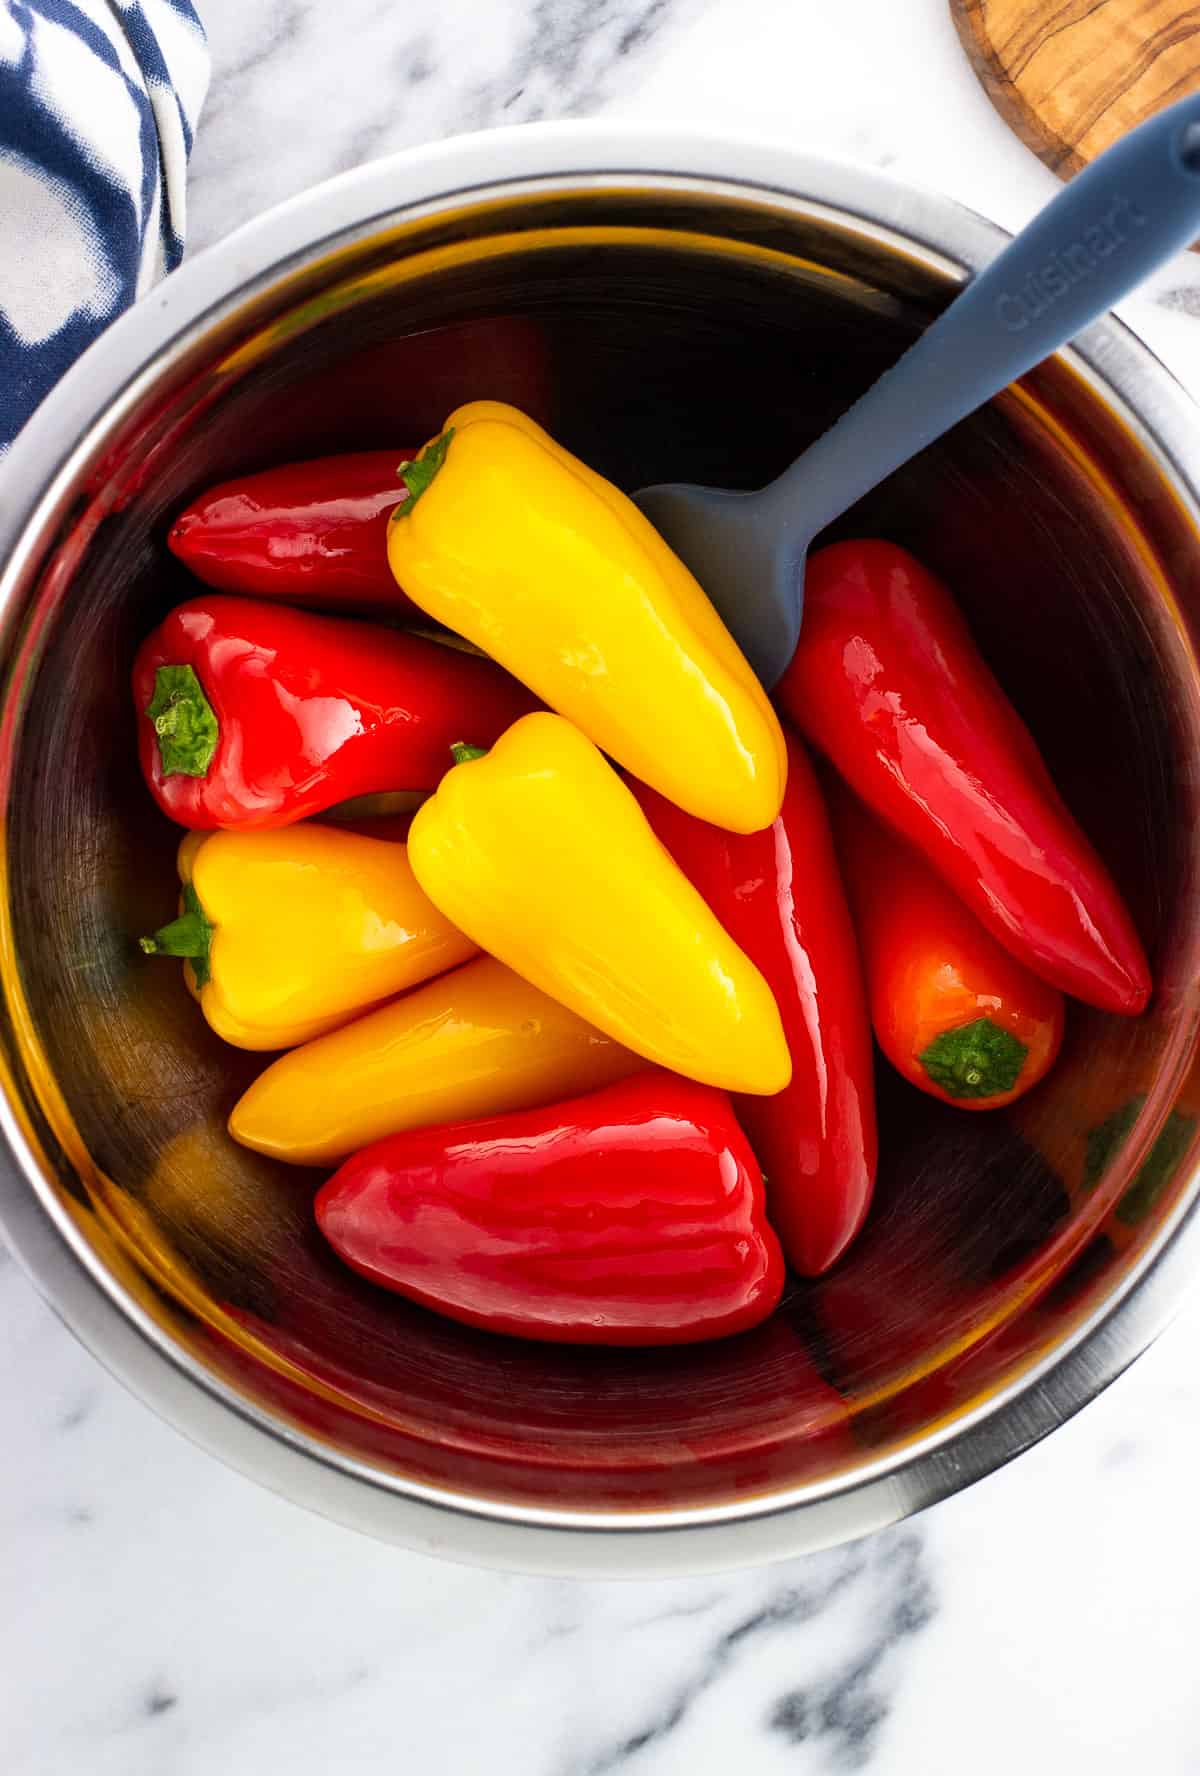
{"points": [[1092, 244]]}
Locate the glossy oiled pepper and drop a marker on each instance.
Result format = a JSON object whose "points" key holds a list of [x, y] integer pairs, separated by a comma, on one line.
{"points": [[633, 1216], [251, 714], [477, 1042], [287, 934], [540, 853], [515, 544], [310, 532], [779, 895], [888, 683], [953, 1011]]}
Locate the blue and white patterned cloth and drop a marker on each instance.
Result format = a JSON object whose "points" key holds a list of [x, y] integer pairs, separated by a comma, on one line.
{"points": [[98, 105]]}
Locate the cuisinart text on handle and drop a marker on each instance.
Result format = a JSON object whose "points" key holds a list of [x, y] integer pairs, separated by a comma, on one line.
{"points": [[1043, 287]]}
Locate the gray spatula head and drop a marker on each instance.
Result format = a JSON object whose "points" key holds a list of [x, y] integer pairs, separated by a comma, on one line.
{"points": [[1138, 203], [751, 571]]}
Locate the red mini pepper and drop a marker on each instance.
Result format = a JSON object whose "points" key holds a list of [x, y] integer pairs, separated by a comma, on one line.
{"points": [[779, 895], [633, 1215], [888, 683], [309, 532], [252, 714], [953, 1011]]}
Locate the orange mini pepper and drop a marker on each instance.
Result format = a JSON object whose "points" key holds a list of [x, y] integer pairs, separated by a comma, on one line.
{"points": [[953, 1011]]}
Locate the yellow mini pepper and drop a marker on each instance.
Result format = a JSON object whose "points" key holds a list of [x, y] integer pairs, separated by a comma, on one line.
{"points": [[288, 933], [517, 545], [478, 1042], [541, 853]]}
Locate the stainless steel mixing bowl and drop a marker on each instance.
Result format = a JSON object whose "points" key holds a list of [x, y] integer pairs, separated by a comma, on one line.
{"points": [[673, 309]]}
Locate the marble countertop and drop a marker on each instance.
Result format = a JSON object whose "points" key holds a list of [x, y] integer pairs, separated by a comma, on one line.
{"points": [[163, 1617]]}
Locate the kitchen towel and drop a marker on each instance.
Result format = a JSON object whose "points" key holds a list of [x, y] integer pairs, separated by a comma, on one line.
{"points": [[98, 106]]}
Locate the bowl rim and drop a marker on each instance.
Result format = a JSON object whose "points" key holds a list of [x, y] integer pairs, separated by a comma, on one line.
{"points": [[69, 430]]}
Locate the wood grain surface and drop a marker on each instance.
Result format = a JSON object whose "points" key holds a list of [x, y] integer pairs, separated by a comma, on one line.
{"points": [[1070, 76]]}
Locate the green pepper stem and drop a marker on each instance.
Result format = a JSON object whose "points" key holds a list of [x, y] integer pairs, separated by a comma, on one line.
{"points": [[189, 936], [418, 475], [462, 752], [185, 726], [185, 936], [976, 1060]]}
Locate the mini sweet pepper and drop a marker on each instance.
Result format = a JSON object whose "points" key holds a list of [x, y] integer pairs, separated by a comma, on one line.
{"points": [[287, 934], [517, 545], [631, 1216], [953, 1011], [780, 895], [888, 684], [476, 1042], [539, 851], [309, 532], [253, 714]]}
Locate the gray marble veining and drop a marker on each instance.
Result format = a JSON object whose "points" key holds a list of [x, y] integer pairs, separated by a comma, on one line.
{"points": [[293, 102]]}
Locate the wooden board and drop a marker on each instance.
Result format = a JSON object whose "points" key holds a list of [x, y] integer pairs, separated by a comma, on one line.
{"points": [[1070, 76]]}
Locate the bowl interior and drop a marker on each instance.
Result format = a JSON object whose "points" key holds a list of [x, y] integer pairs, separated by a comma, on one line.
{"points": [[665, 333]]}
